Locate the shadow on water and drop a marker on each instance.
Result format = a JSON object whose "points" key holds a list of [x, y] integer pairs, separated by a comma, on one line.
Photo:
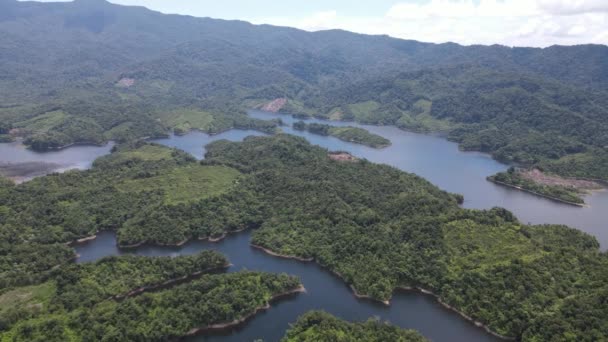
{"points": [[324, 291]]}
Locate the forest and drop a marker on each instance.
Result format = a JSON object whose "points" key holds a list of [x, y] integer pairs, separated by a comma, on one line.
{"points": [[167, 314], [377, 227], [91, 71], [519, 104], [349, 133], [317, 326]]}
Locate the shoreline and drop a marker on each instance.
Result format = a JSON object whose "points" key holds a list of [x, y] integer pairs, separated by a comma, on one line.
{"points": [[239, 321], [399, 288], [581, 205], [168, 283], [181, 243], [283, 256], [455, 310], [83, 240]]}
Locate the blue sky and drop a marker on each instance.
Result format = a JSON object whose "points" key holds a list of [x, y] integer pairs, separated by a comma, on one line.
{"points": [[507, 22]]}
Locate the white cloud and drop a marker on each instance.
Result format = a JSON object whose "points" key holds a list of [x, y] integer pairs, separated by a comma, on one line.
{"points": [[509, 22], [319, 21], [462, 9], [571, 7]]}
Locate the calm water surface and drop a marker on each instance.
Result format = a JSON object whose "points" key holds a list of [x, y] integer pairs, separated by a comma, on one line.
{"points": [[431, 157], [76, 157], [443, 164], [324, 292]]}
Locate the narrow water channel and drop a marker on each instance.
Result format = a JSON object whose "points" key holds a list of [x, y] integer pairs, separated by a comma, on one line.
{"points": [[431, 157], [324, 292]]}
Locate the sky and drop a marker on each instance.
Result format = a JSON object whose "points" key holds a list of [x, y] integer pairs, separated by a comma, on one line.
{"points": [[508, 22]]}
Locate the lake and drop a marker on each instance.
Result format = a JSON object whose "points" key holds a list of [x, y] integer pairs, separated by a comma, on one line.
{"points": [[431, 157], [33, 164], [324, 292], [443, 164]]}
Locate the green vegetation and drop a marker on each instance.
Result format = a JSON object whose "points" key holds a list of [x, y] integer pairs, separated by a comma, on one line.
{"points": [[185, 184], [166, 314], [73, 286], [350, 134], [322, 327], [520, 104], [518, 118], [591, 164], [377, 227], [561, 193], [56, 129], [25, 301], [37, 218], [183, 121], [380, 229]]}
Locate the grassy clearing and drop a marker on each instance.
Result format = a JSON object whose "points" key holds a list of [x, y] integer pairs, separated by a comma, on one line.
{"points": [[473, 245], [185, 120], [146, 153], [28, 298], [364, 111], [44, 122], [186, 184], [419, 119]]}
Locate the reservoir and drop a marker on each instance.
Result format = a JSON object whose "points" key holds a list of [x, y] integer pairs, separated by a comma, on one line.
{"points": [[324, 292], [431, 157]]}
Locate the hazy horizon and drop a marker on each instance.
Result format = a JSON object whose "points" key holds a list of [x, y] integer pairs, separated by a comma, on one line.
{"points": [[529, 23]]}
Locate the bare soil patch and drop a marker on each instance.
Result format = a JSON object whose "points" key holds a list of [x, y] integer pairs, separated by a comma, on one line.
{"points": [[540, 177], [342, 157], [126, 82], [274, 105]]}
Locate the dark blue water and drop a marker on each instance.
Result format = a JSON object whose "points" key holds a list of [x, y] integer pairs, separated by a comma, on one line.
{"points": [[324, 292], [195, 142], [431, 157], [443, 164]]}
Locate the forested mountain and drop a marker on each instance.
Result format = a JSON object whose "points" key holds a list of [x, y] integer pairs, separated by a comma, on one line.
{"points": [[114, 72], [90, 71], [378, 228]]}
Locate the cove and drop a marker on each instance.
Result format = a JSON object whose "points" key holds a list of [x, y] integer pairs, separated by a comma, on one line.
{"points": [[324, 292], [40, 163], [431, 157], [443, 164]]}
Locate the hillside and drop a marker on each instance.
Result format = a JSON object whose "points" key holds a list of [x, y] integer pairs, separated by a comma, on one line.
{"points": [[118, 72], [378, 228]]}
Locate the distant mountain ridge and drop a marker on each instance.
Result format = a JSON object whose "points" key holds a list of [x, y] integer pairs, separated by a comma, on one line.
{"points": [[74, 56], [109, 38]]}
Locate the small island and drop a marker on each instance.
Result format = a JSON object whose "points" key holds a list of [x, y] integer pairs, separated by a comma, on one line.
{"points": [[320, 326], [535, 181], [349, 133]]}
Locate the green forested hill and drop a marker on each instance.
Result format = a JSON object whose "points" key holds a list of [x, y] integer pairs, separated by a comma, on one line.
{"points": [[121, 72], [518, 118], [377, 227], [322, 327]]}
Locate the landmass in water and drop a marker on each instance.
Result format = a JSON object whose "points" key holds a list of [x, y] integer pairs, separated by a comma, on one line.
{"points": [[320, 326], [349, 133], [570, 191], [379, 228]]}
